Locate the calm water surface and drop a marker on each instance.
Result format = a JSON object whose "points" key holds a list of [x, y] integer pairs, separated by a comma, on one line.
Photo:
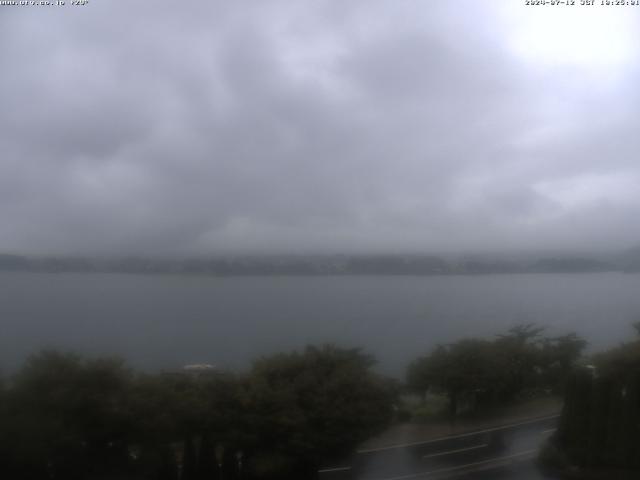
{"points": [[168, 321]]}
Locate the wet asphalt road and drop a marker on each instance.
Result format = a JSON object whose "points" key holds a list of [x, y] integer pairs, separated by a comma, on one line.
{"points": [[501, 453]]}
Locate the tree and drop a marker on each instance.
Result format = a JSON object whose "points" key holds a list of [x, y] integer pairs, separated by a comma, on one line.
{"points": [[480, 373], [311, 406], [559, 357], [600, 421], [519, 351], [464, 371], [68, 417], [619, 362]]}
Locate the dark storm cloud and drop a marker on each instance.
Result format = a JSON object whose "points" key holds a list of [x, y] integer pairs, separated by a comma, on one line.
{"points": [[133, 127]]}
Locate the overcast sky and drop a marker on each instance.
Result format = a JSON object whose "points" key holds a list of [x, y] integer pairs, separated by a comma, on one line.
{"points": [[198, 127]]}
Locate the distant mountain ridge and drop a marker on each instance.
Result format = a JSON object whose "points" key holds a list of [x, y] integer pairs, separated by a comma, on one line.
{"points": [[328, 264]]}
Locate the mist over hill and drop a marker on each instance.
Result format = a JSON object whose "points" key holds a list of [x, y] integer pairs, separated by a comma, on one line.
{"points": [[372, 264]]}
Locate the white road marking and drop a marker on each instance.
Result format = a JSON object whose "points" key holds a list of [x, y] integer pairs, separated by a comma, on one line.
{"points": [[336, 469], [544, 432], [461, 435], [462, 467], [451, 452]]}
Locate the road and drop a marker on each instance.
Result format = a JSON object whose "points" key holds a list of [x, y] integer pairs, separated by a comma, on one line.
{"points": [[501, 452]]}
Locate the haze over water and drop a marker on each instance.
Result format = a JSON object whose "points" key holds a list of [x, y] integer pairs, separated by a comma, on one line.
{"points": [[165, 322], [290, 128]]}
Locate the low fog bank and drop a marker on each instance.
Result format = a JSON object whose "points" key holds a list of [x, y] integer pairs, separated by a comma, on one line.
{"points": [[342, 264]]}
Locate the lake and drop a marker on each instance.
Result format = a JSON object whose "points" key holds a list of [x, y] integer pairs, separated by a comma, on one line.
{"points": [[166, 321]]}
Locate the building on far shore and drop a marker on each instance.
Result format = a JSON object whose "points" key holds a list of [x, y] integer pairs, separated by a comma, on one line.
{"points": [[197, 370], [194, 370]]}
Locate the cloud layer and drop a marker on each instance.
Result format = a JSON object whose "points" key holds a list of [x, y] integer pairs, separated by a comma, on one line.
{"points": [[284, 126]]}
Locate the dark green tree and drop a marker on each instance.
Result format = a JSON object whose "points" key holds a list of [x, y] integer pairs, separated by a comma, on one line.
{"points": [[311, 406], [68, 417], [558, 358], [476, 373], [600, 422], [465, 371]]}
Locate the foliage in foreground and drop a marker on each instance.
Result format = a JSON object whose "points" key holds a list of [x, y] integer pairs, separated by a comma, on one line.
{"points": [[600, 424], [67, 417], [477, 373]]}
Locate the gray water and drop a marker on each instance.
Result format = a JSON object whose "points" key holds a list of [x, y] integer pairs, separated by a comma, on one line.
{"points": [[164, 322]]}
